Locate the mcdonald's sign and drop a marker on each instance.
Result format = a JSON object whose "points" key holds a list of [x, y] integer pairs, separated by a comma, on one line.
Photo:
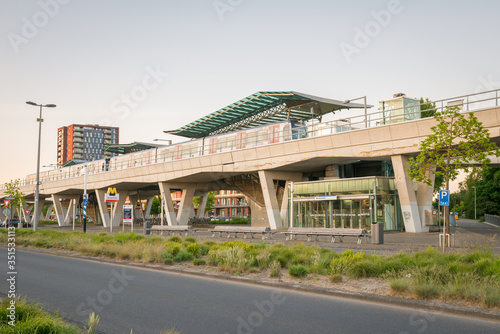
{"points": [[112, 195]]}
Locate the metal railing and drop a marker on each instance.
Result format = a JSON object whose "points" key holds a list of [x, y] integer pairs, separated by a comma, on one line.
{"points": [[223, 143]]}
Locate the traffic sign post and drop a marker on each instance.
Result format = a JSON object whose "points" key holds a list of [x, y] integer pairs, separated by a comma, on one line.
{"points": [[113, 197], [444, 200]]}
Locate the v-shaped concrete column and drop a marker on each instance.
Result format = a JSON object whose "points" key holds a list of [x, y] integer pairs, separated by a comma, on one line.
{"points": [[41, 202], [186, 207], [49, 211], [424, 199], [118, 207], [169, 204], [61, 213], [149, 204], [203, 205], [406, 193]]}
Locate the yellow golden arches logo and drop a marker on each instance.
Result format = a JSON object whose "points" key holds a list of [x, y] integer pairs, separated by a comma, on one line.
{"points": [[111, 191]]}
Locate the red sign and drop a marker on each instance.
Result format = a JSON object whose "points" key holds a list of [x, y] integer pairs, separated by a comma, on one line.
{"points": [[27, 212], [7, 202], [434, 212]]}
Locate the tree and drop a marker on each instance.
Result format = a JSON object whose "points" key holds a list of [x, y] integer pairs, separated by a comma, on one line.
{"points": [[487, 183], [155, 206], [12, 189], [210, 201], [427, 108], [456, 142]]}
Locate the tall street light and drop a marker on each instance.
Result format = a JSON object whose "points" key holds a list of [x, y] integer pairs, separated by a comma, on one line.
{"points": [[37, 192]]}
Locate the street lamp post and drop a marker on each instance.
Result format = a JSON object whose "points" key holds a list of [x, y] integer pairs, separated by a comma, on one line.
{"points": [[475, 211], [37, 192]]}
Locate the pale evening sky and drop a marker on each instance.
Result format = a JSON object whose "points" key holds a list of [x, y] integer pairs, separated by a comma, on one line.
{"points": [[185, 59]]}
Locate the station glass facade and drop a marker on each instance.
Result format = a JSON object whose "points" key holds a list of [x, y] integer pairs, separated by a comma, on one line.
{"points": [[345, 203]]}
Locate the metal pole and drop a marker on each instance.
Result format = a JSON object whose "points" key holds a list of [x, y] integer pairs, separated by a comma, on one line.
{"points": [[85, 199], [37, 194], [111, 222], [366, 116]]}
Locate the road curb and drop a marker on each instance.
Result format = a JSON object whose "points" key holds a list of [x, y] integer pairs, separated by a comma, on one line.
{"points": [[382, 299]]}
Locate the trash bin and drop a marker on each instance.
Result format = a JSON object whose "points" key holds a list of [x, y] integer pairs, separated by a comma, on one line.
{"points": [[377, 233], [147, 227]]}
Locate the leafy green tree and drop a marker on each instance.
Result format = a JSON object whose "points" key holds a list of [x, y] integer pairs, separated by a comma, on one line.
{"points": [[12, 189], [487, 183], [210, 201], [456, 142], [155, 206], [427, 108]]}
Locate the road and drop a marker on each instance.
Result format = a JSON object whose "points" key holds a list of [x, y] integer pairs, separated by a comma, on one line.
{"points": [[150, 301]]}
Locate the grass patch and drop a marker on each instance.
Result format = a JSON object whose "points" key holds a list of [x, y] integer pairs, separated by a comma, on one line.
{"points": [[298, 271], [30, 318]]}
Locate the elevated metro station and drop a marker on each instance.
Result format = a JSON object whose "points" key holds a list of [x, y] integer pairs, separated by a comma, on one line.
{"points": [[295, 168]]}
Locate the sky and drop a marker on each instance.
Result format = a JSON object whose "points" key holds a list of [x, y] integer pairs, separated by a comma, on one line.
{"points": [[149, 66]]}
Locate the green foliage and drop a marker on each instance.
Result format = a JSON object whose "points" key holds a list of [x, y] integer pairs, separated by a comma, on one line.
{"points": [[210, 201], [183, 256], [199, 262], [336, 278], [399, 285], [30, 318], [427, 291], [487, 183], [298, 271], [175, 238], [455, 142], [275, 269], [427, 108], [193, 249], [155, 206], [189, 239], [12, 189]]}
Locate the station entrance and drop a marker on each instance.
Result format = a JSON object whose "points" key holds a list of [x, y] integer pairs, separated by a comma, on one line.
{"points": [[345, 203]]}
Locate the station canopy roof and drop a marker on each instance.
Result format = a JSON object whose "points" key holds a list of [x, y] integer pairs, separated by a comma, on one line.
{"points": [[262, 108], [129, 148]]}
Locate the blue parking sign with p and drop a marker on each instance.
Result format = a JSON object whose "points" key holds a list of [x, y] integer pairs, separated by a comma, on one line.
{"points": [[444, 197]]}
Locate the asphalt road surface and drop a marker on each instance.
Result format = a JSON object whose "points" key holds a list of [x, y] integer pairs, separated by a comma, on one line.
{"points": [[149, 301]]}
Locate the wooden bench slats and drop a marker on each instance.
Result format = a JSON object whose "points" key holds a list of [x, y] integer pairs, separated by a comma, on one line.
{"points": [[172, 229]]}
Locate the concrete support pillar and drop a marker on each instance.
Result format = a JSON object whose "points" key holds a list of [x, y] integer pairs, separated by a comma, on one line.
{"points": [[117, 210], [424, 199], [186, 207], [49, 211], [149, 204], [169, 204], [203, 205], [41, 202], [407, 197], [332, 172], [270, 199], [284, 205], [60, 212]]}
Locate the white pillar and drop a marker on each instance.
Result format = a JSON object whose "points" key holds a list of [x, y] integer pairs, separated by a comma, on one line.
{"points": [[186, 207], [424, 199], [270, 199], [203, 205], [61, 219], [103, 209], [169, 204], [149, 204], [406, 193], [49, 211]]}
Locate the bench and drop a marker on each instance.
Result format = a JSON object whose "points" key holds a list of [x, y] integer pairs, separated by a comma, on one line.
{"points": [[339, 233], [241, 229], [173, 229]]}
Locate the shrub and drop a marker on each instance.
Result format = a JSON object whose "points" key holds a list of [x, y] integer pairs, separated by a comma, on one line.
{"points": [[193, 249], [232, 259], [199, 262], [263, 260], [183, 256], [363, 268], [297, 271], [275, 269], [426, 290], [174, 248], [399, 285], [175, 238], [189, 239]]}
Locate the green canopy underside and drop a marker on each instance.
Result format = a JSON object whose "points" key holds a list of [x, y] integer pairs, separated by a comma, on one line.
{"points": [[259, 109], [128, 148]]}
